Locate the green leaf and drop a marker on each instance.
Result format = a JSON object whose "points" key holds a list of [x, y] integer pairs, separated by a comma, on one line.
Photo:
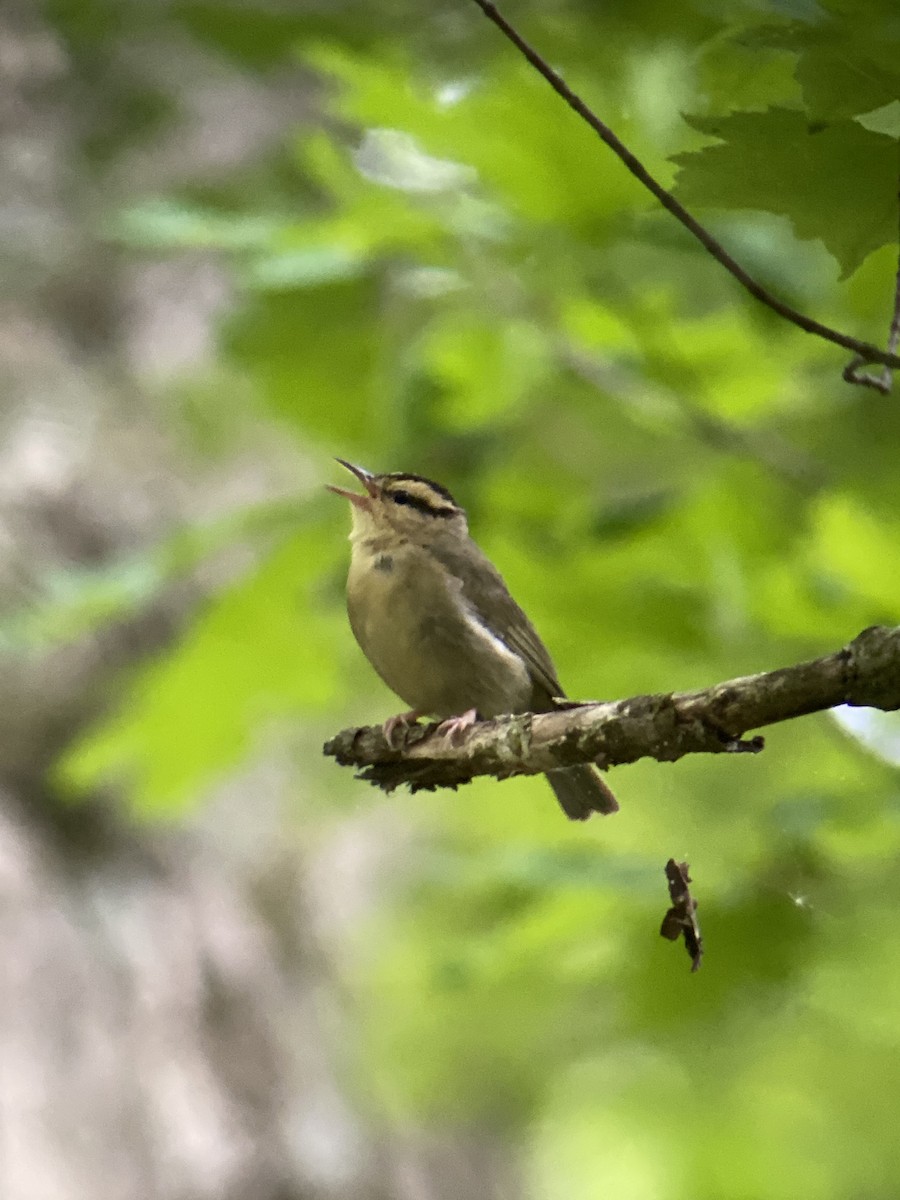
{"points": [[847, 55], [262, 651], [487, 367], [259, 36], [884, 120], [72, 602], [170, 224], [314, 353], [862, 551], [835, 181], [528, 150]]}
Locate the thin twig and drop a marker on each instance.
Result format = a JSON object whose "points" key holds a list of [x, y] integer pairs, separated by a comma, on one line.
{"points": [[883, 381], [664, 727], [864, 352]]}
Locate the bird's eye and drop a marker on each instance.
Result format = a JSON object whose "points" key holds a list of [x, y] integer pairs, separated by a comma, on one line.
{"points": [[401, 497]]}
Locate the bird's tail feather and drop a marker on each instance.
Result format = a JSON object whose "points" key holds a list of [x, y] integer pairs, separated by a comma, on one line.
{"points": [[581, 791]]}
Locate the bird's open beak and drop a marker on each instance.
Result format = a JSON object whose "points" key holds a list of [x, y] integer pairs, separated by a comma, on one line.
{"points": [[366, 478]]}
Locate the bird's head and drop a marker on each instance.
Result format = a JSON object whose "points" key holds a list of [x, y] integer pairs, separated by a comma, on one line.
{"points": [[403, 506]]}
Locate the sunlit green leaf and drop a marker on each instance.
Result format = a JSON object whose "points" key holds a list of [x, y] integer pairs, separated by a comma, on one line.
{"points": [[263, 652]]}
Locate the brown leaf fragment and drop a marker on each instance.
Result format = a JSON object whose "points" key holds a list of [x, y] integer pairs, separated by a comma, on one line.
{"points": [[681, 919]]}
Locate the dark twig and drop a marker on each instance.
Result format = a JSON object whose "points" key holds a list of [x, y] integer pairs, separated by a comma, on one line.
{"points": [[883, 381], [681, 919], [864, 352], [663, 726]]}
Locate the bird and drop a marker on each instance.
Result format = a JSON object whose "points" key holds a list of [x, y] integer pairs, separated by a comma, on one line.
{"points": [[434, 617]]}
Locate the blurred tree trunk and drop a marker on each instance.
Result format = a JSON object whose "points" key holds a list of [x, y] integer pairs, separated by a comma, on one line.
{"points": [[160, 1036]]}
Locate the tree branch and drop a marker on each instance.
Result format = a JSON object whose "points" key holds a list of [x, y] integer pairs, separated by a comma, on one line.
{"points": [[864, 351], [663, 726]]}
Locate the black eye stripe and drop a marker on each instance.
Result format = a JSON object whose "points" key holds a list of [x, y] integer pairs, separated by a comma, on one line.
{"points": [[407, 499]]}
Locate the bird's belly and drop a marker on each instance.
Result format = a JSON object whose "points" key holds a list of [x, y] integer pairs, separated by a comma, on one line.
{"points": [[433, 654]]}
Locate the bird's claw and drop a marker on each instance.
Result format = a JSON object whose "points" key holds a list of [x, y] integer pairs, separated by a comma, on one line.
{"points": [[454, 727], [399, 724]]}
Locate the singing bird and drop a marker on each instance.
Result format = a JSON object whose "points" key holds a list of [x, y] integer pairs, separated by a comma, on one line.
{"points": [[435, 619]]}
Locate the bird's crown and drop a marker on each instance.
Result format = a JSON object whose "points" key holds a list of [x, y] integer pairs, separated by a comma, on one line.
{"points": [[419, 493]]}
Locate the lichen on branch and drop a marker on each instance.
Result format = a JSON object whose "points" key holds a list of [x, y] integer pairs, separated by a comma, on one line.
{"points": [[664, 726]]}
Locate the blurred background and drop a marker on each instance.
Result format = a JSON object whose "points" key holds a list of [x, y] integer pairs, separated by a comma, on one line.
{"points": [[239, 238]]}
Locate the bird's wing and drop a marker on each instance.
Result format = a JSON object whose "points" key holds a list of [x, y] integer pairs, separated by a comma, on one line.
{"points": [[488, 597]]}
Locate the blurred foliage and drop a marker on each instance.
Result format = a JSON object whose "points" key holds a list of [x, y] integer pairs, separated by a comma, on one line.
{"points": [[448, 274]]}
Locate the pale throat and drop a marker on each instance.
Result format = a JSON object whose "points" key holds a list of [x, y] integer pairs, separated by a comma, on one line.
{"points": [[367, 534]]}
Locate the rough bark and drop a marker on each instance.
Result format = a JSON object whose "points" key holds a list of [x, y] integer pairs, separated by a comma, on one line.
{"points": [[665, 726]]}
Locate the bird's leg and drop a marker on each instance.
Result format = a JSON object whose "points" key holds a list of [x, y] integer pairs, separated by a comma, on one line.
{"points": [[400, 723], [453, 727]]}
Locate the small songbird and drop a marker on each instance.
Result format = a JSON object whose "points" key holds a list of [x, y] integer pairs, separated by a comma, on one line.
{"points": [[436, 621]]}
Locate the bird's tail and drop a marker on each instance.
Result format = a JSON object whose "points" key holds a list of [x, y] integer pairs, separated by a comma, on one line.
{"points": [[581, 791]]}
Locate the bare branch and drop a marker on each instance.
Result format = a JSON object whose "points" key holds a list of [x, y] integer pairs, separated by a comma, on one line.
{"points": [[664, 726], [864, 351]]}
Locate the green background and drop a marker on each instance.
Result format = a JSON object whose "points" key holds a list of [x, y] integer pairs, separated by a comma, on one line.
{"points": [[441, 270]]}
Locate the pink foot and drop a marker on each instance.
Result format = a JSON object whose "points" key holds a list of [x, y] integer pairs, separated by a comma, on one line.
{"points": [[454, 727], [400, 723]]}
